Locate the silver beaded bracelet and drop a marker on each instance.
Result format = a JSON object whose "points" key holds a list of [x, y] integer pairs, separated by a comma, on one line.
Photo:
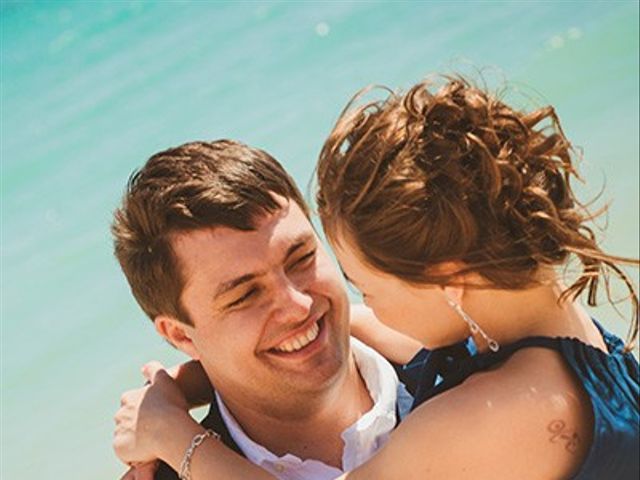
{"points": [[185, 466]]}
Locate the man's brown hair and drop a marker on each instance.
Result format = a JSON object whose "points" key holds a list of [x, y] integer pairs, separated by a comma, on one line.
{"points": [[193, 186], [454, 173]]}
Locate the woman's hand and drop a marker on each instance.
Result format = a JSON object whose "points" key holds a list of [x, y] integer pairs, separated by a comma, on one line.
{"points": [[153, 422], [147, 416]]}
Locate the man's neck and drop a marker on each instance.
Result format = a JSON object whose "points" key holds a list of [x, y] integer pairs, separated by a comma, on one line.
{"points": [[328, 415]]}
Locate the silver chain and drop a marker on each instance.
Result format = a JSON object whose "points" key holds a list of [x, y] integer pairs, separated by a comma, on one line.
{"points": [[474, 327], [185, 466]]}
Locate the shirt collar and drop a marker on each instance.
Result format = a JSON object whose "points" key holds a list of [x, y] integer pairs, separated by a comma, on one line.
{"points": [[362, 439]]}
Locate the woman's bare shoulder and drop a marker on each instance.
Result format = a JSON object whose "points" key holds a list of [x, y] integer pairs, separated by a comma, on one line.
{"points": [[529, 418]]}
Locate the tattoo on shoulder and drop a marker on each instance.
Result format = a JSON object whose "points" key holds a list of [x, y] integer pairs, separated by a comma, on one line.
{"points": [[561, 433]]}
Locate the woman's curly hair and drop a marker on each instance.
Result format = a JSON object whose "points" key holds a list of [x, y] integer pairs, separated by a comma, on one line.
{"points": [[454, 173]]}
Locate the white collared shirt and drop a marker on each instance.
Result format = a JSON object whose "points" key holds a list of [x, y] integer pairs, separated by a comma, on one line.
{"points": [[361, 440]]}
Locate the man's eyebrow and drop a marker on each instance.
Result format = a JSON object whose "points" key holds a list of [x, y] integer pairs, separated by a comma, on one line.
{"points": [[233, 283], [299, 242]]}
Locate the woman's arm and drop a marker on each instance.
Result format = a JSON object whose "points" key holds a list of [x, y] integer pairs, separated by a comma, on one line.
{"points": [[154, 422], [500, 425], [197, 390], [212, 459], [497, 424], [390, 343]]}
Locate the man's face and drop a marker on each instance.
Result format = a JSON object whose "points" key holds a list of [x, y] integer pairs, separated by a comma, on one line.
{"points": [[269, 309]]}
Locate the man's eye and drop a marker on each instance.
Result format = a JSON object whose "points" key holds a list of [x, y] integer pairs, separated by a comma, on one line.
{"points": [[304, 260], [250, 293]]}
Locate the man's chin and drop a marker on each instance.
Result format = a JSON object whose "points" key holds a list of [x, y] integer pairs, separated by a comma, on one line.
{"points": [[319, 375]]}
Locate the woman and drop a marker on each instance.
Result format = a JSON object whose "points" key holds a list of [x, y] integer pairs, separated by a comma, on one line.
{"points": [[452, 213], [456, 205]]}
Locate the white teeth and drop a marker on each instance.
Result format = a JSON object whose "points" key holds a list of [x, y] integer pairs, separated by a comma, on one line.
{"points": [[312, 333], [300, 341]]}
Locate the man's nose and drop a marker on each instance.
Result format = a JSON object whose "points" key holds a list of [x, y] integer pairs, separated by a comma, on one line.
{"points": [[293, 301]]}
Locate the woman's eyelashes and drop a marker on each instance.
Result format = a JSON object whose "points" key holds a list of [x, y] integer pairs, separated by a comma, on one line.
{"points": [[351, 286]]}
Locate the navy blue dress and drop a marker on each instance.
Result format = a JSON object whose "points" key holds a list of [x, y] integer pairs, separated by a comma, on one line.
{"points": [[610, 380]]}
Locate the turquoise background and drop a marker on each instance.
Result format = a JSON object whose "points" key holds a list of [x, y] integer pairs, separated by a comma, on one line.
{"points": [[90, 89]]}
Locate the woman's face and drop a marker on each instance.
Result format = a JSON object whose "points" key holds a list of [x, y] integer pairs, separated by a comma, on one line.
{"points": [[421, 312]]}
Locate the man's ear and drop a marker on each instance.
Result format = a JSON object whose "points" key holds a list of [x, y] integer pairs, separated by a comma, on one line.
{"points": [[177, 333]]}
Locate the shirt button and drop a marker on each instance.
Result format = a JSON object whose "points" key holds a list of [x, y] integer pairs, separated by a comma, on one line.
{"points": [[279, 468]]}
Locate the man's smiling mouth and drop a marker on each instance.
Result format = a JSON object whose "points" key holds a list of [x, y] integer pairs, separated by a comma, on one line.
{"points": [[301, 340]]}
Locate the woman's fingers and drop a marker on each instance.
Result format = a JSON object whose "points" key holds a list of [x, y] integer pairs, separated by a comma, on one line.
{"points": [[150, 369]]}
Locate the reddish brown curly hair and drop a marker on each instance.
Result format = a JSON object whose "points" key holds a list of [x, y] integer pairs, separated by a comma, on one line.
{"points": [[453, 173]]}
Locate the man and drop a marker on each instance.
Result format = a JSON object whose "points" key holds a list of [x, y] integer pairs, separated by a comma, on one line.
{"points": [[216, 243]]}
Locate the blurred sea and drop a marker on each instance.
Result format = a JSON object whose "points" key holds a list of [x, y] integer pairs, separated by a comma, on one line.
{"points": [[90, 89]]}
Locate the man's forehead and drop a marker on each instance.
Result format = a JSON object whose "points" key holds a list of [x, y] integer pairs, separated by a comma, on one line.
{"points": [[230, 250], [289, 218]]}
